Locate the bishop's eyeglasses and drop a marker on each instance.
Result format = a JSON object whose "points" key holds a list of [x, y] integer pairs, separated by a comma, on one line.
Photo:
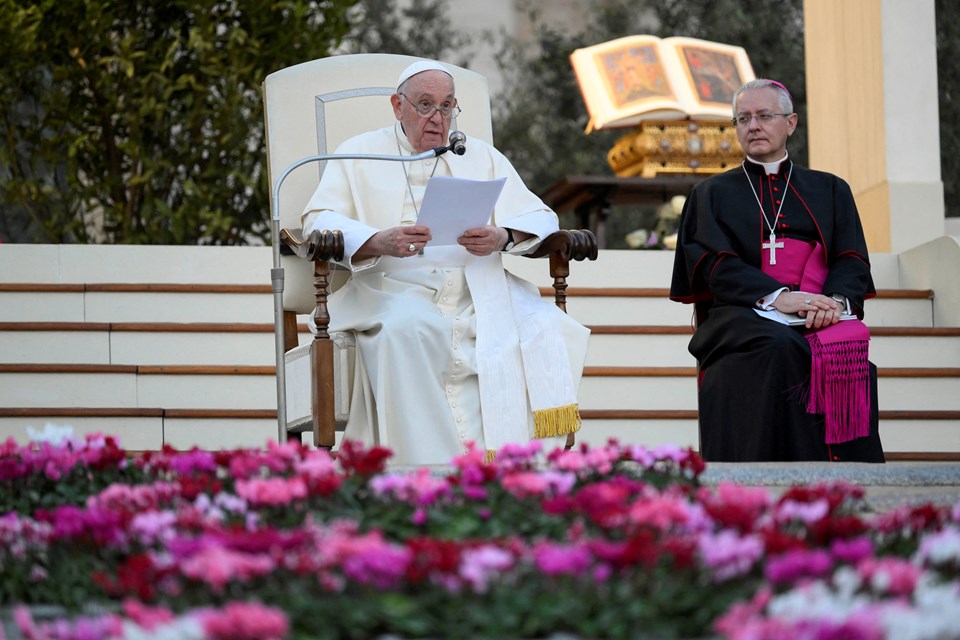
{"points": [[744, 119], [426, 109]]}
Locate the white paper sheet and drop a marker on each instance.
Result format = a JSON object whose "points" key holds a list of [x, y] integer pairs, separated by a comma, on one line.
{"points": [[453, 205]]}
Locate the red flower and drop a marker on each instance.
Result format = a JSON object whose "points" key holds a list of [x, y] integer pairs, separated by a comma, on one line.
{"points": [[354, 459], [136, 575], [777, 542], [842, 527], [431, 557]]}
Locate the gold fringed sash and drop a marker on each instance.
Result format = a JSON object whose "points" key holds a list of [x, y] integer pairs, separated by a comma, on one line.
{"points": [[556, 421]]}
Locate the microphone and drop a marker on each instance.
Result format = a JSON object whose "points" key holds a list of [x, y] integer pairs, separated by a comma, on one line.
{"points": [[458, 142]]}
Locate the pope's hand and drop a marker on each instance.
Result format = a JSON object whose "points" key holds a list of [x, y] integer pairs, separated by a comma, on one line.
{"points": [[399, 242], [482, 241]]}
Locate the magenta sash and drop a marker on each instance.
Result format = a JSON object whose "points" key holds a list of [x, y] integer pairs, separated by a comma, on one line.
{"points": [[839, 370]]}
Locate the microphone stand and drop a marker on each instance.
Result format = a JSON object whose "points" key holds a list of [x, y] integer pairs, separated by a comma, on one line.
{"points": [[276, 273]]}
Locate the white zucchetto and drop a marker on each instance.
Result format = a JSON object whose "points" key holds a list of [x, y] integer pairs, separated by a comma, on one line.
{"points": [[419, 67]]}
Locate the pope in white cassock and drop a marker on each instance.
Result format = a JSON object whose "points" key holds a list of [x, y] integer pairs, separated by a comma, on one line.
{"points": [[451, 347]]}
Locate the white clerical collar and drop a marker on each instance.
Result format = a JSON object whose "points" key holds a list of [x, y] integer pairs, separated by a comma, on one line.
{"points": [[402, 139], [770, 167]]}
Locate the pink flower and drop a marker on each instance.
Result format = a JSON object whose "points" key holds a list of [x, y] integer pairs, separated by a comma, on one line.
{"points": [[422, 488], [317, 465], [480, 565], [124, 498], [663, 512], [81, 628], [217, 566], [245, 621], [516, 456], [271, 491], [807, 512], [152, 526], [146, 616], [735, 506], [572, 460], [538, 484], [729, 555], [796, 564], [895, 576]]}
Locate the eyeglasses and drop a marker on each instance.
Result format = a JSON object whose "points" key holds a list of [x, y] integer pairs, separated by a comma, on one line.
{"points": [[426, 109], [744, 119]]}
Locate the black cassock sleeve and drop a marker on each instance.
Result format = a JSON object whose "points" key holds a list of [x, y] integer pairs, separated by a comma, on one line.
{"points": [[709, 263]]}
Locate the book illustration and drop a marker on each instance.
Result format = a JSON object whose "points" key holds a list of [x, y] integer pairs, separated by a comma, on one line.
{"points": [[637, 78], [634, 74], [713, 74]]}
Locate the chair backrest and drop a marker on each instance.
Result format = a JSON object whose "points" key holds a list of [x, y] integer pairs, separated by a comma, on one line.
{"points": [[310, 108]]}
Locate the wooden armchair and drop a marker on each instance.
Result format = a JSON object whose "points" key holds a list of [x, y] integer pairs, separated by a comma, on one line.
{"points": [[310, 109]]}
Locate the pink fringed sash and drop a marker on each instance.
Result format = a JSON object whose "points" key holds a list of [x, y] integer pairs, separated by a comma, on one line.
{"points": [[839, 370]]}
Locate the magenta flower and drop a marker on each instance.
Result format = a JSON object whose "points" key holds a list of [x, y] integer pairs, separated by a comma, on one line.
{"points": [[797, 564], [559, 559], [188, 462], [369, 559], [853, 550]]}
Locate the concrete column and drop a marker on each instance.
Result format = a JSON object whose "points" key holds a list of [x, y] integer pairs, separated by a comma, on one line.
{"points": [[872, 112]]}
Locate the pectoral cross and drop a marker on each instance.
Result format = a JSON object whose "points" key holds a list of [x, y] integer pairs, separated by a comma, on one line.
{"points": [[773, 245]]}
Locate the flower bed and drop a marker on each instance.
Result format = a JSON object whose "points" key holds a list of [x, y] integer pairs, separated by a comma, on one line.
{"points": [[609, 542]]}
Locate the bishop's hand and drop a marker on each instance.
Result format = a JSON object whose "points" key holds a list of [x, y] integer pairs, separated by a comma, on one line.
{"points": [[819, 310]]}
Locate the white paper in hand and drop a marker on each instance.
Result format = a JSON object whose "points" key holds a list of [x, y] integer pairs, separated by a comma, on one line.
{"points": [[453, 205]]}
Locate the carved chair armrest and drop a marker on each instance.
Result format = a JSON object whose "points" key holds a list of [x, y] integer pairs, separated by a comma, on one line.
{"points": [[320, 245], [563, 246], [571, 244]]}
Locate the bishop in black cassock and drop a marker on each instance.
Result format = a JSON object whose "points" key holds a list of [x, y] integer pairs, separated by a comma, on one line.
{"points": [[755, 381]]}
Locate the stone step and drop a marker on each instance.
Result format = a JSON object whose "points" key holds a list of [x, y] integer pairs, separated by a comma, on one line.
{"points": [[666, 346], [253, 344], [668, 388], [254, 387], [192, 303]]}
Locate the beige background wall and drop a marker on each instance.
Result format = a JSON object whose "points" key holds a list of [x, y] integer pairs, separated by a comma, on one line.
{"points": [[872, 112]]}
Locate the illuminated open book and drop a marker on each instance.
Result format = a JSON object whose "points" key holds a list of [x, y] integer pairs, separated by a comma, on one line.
{"points": [[636, 78]]}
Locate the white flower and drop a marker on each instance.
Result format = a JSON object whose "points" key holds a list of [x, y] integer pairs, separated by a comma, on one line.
{"points": [[55, 434], [942, 547]]}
